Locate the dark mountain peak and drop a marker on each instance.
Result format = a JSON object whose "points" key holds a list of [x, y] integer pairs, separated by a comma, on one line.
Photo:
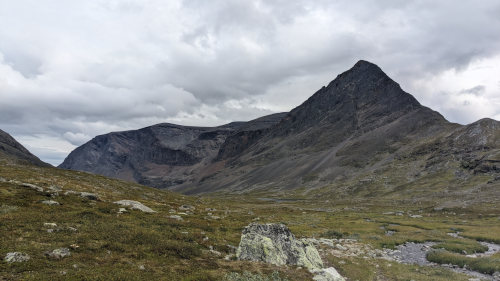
{"points": [[363, 65], [361, 97]]}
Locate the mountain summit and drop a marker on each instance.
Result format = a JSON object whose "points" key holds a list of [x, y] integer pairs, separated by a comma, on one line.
{"points": [[361, 126]]}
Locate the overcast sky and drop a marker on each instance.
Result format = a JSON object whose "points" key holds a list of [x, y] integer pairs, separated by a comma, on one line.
{"points": [[73, 69]]}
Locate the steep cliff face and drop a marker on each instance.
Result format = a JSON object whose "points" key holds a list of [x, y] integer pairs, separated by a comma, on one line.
{"points": [[11, 150], [162, 155]]}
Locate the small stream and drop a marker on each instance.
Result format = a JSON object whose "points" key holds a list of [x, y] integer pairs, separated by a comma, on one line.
{"points": [[415, 253]]}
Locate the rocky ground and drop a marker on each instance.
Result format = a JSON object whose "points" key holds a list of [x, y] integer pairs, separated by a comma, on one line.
{"points": [[408, 253]]}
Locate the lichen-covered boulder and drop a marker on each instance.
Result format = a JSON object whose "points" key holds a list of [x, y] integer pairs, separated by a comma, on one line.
{"points": [[275, 244], [16, 257]]}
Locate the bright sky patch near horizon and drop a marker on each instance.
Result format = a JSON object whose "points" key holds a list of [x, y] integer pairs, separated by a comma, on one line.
{"points": [[71, 70]]}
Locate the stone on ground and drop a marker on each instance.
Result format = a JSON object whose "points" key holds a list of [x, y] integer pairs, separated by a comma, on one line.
{"points": [[326, 274], [58, 254], [16, 257], [89, 196], [32, 186], [275, 244], [134, 205], [50, 202]]}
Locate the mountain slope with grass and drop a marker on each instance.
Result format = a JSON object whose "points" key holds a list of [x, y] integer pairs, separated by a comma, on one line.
{"points": [[66, 225]]}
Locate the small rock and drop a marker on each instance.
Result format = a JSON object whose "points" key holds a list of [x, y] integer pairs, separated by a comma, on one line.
{"points": [[58, 254], [50, 230], [186, 208], [122, 210], [89, 196], [49, 224], [16, 257], [32, 186], [229, 257], [142, 267], [54, 189], [72, 229], [340, 247], [326, 274], [176, 217], [134, 205], [217, 253], [71, 192], [50, 202], [210, 209]]}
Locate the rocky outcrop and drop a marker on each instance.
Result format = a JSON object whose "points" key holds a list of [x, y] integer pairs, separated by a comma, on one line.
{"points": [[134, 205], [275, 244], [11, 150]]}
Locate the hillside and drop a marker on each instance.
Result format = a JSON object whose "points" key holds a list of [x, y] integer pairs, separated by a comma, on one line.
{"points": [[13, 151]]}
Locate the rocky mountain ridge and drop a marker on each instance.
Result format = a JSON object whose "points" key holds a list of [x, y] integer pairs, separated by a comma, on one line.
{"points": [[362, 125], [162, 155]]}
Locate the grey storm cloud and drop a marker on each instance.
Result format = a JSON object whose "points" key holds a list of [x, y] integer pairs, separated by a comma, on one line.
{"points": [[70, 70]]}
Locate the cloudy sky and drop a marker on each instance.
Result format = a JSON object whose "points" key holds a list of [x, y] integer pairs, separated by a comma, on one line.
{"points": [[72, 69]]}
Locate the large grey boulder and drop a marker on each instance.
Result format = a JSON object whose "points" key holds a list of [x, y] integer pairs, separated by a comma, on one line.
{"points": [[275, 244], [16, 257], [135, 205]]}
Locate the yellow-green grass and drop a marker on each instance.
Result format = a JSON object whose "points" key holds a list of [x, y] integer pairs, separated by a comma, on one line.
{"points": [[115, 246], [462, 246], [379, 269], [486, 265]]}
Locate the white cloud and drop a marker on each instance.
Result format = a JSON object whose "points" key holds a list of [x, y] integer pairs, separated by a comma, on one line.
{"points": [[70, 70]]}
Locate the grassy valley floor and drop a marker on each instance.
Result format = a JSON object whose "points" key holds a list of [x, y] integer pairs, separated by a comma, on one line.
{"points": [[194, 238]]}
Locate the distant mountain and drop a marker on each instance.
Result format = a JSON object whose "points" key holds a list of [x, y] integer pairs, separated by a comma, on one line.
{"points": [[13, 151], [162, 155], [362, 134]]}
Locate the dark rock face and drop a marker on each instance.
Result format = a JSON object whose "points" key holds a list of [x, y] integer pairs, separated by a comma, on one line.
{"points": [[12, 150], [161, 155], [247, 135], [361, 125]]}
